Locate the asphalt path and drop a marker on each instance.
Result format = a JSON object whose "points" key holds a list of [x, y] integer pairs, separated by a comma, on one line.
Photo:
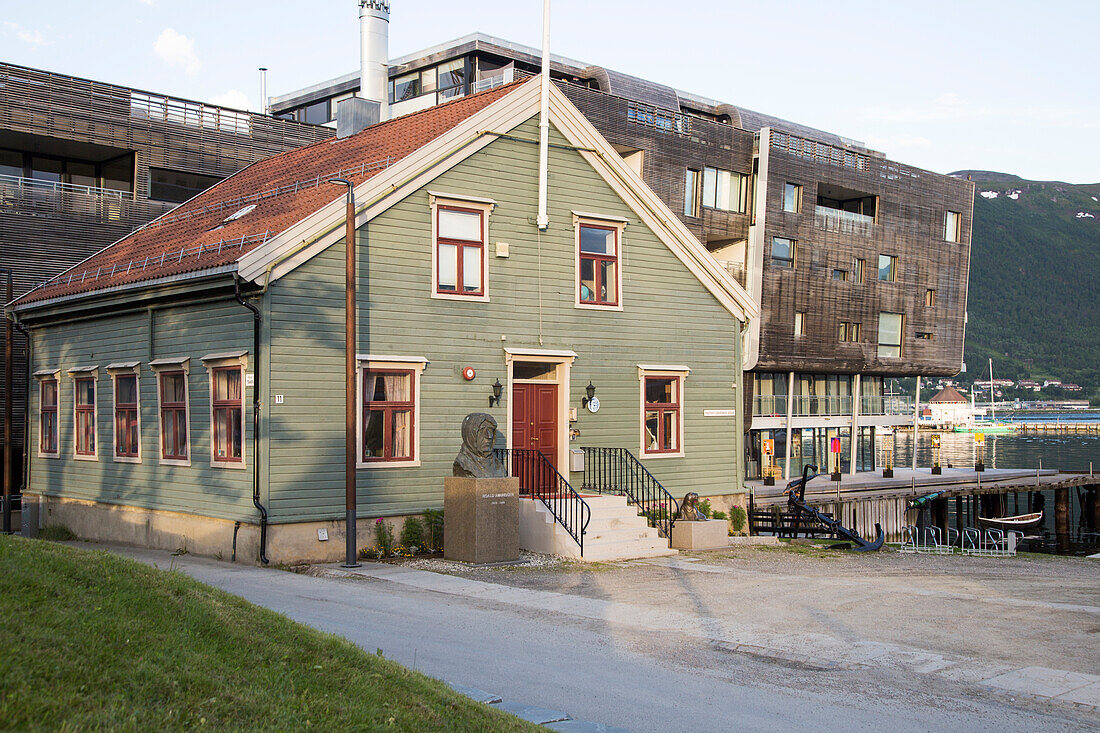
{"points": [[605, 671]]}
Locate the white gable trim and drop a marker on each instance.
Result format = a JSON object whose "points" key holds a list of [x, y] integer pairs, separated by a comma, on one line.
{"points": [[648, 206], [325, 227], [315, 233]]}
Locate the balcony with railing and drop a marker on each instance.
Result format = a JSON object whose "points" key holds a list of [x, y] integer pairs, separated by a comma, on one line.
{"points": [[736, 270], [30, 195], [844, 222], [832, 405]]}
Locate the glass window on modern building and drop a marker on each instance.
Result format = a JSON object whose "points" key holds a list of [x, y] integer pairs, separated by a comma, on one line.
{"points": [[889, 334]]}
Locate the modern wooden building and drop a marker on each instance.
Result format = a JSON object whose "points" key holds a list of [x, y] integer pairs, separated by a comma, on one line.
{"points": [[189, 379], [859, 264], [83, 163]]}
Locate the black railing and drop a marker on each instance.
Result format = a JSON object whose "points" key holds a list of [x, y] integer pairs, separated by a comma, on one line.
{"points": [[538, 479], [617, 471]]}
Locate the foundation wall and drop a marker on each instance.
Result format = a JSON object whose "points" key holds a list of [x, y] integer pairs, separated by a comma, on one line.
{"points": [[174, 531]]}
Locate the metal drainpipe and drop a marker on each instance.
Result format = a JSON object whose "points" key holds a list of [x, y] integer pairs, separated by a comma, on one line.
{"points": [[8, 400], [26, 412], [255, 417]]}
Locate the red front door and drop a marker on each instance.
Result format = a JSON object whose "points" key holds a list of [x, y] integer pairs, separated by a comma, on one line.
{"points": [[535, 418]]}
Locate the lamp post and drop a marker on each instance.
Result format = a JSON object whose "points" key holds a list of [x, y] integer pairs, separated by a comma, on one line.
{"points": [[351, 559]]}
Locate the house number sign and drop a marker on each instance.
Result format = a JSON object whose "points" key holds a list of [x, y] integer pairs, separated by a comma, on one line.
{"points": [[594, 404]]}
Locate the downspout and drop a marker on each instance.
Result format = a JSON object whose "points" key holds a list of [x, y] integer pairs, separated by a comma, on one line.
{"points": [[739, 406], [543, 221], [26, 411], [255, 417]]}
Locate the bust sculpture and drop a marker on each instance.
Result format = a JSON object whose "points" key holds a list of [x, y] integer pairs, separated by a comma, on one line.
{"points": [[689, 509], [475, 459]]}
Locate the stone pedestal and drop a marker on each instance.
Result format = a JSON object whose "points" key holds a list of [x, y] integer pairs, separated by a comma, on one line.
{"points": [[481, 519], [709, 535]]}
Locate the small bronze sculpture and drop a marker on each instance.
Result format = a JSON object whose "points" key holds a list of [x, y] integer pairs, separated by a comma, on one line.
{"points": [[475, 459], [689, 509]]}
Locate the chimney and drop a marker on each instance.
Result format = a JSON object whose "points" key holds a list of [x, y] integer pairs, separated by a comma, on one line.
{"points": [[374, 53], [355, 115]]}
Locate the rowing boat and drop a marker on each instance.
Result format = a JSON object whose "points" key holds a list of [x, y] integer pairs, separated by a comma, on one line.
{"points": [[1019, 522]]}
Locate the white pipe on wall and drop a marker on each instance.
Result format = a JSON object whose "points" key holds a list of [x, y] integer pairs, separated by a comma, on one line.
{"points": [[543, 221]]}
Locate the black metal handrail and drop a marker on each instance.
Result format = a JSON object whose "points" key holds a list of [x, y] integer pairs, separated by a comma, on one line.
{"points": [[618, 471], [538, 479]]}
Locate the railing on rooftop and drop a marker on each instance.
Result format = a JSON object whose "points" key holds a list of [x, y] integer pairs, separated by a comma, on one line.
{"points": [[818, 151], [844, 222], [662, 120], [27, 195]]}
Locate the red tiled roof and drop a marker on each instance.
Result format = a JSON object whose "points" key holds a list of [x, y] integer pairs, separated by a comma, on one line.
{"points": [[284, 188]]}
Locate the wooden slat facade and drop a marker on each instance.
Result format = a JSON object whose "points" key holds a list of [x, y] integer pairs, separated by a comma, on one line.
{"points": [[44, 231]]}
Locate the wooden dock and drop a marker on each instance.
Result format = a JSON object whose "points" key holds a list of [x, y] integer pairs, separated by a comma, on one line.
{"points": [[867, 498], [1062, 428]]}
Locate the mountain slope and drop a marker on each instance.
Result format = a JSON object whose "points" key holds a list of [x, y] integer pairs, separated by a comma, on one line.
{"points": [[1034, 303]]}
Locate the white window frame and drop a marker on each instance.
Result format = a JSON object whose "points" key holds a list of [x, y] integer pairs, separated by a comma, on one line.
{"points": [[41, 376], [485, 206], [182, 364], [123, 369], [901, 337], [799, 323], [680, 373], [955, 235], [84, 372], [605, 221], [220, 361], [367, 362]]}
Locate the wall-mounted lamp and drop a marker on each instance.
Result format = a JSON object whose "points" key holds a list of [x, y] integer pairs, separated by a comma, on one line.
{"points": [[590, 390], [497, 389]]}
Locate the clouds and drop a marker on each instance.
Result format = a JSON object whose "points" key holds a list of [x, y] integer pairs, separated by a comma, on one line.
{"points": [[233, 98], [35, 38], [176, 49]]}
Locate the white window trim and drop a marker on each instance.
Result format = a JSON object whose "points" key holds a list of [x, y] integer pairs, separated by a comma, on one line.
{"points": [[601, 220], [173, 365], [212, 362], [956, 235], [661, 370], [41, 376], [128, 367], [366, 362], [83, 372], [563, 360], [484, 205]]}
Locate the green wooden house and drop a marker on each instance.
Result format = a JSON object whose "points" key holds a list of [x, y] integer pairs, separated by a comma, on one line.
{"points": [[190, 377]]}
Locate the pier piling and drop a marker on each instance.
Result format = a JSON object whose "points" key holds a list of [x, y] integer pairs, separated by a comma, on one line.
{"points": [[1061, 518]]}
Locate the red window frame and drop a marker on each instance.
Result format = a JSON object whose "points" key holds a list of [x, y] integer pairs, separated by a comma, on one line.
{"points": [[663, 408], [126, 421], [173, 412], [388, 408], [461, 245], [47, 418], [228, 412], [84, 427], [597, 268]]}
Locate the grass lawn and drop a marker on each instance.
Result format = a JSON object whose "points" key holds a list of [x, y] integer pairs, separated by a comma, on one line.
{"points": [[94, 641]]}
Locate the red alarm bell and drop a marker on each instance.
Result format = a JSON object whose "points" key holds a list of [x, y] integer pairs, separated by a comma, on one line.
{"points": [[468, 374]]}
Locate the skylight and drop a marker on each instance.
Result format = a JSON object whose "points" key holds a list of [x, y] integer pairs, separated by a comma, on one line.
{"points": [[238, 214]]}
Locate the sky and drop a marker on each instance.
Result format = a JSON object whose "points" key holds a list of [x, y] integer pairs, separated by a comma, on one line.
{"points": [[970, 84]]}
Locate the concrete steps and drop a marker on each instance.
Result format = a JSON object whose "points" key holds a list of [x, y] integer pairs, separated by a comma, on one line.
{"points": [[615, 532]]}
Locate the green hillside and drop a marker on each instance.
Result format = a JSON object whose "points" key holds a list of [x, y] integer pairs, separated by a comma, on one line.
{"points": [[1034, 302]]}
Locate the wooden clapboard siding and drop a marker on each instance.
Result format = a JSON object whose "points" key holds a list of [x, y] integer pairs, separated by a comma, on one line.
{"points": [[192, 331], [668, 318]]}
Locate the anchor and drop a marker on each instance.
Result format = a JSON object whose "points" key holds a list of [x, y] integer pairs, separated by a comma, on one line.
{"points": [[796, 500]]}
